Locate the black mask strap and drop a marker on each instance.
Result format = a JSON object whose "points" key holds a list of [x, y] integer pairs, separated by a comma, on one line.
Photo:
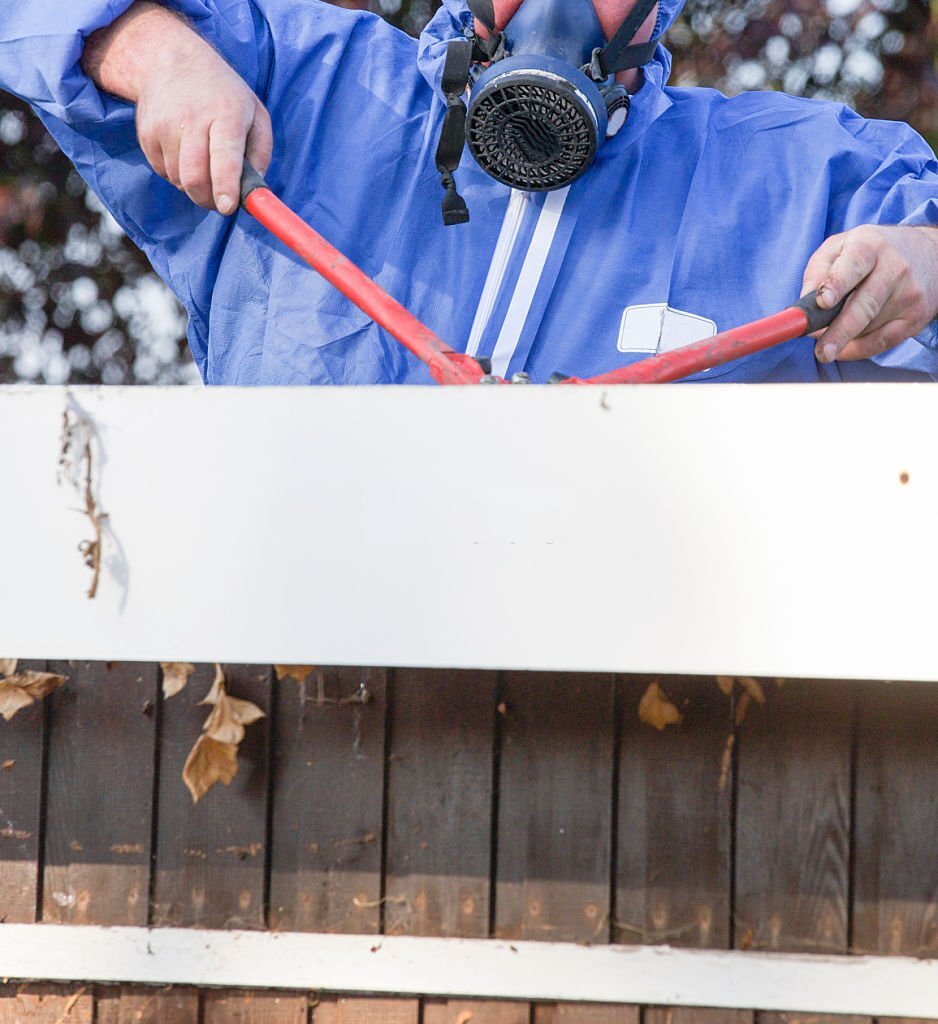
{"points": [[618, 54], [492, 47], [453, 136]]}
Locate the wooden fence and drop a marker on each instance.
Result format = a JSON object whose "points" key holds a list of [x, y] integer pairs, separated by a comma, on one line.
{"points": [[472, 804]]}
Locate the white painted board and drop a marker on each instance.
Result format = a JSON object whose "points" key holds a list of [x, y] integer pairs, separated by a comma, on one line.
{"points": [[737, 529], [473, 968]]}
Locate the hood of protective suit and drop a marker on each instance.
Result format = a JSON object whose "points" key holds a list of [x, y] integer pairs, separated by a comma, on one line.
{"points": [[454, 18]]}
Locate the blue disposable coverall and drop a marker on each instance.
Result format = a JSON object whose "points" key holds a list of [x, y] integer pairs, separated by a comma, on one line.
{"points": [[700, 215]]}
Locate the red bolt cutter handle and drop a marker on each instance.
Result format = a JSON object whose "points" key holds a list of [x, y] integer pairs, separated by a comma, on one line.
{"points": [[805, 317], [447, 366]]}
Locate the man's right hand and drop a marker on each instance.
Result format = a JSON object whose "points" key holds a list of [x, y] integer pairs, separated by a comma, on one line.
{"points": [[197, 120]]}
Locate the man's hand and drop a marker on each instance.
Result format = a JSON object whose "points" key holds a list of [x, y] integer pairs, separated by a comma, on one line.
{"points": [[196, 118], [893, 273]]}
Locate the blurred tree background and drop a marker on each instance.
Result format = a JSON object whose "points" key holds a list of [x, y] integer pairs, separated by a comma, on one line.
{"points": [[79, 304]]}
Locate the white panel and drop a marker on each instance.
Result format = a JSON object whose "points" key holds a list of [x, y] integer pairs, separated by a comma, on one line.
{"points": [[759, 530], [873, 986]]}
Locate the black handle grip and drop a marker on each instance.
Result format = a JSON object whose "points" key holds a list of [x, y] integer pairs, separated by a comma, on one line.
{"points": [[818, 318], [250, 180]]}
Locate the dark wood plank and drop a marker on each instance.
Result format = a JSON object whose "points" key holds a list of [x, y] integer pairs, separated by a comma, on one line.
{"points": [[98, 820], [249, 1007], [438, 862], [475, 1011], [46, 1004], [210, 856], [690, 1015], [328, 797], [896, 866], [138, 1005], [673, 869], [553, 875], [342, 1010], [793, 819], [585, 1013], [21, 762]]}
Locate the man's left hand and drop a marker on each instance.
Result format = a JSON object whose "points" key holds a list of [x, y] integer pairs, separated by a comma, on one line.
{"points": [[893, 275]]}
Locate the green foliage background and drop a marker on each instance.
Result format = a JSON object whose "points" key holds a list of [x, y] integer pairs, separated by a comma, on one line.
{"points": [[78, 302]]}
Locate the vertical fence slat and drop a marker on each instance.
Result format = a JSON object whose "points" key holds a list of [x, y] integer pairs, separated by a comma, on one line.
{"points": [[210, 856], [690, 1015], [439, 803], [555, 807], [673, 869], [46, 1004], [474, 1011], [896, 863], [21, 746], [328, 797], [342, 1010], [580, 1013], [100, 789], [137, 1005], [793, 820], [247, 1007]]}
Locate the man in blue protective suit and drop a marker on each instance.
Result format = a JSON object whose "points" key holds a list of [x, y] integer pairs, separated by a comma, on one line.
{"points": [[609, 216]]}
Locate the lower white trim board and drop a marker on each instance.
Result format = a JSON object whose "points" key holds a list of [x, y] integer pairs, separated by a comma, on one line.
{"points": [[647, 975]]}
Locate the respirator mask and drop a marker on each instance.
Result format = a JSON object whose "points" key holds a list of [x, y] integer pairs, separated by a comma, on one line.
{"points": [[542, 95]]}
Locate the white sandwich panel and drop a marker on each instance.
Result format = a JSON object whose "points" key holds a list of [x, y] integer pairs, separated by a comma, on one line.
{"points": [[737, 529]]}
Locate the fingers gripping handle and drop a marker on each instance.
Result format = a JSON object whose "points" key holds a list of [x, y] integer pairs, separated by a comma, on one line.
{"points": [[818, 318], [250, 181]]}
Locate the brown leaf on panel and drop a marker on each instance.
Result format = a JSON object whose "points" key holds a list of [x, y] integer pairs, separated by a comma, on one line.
{"points": [[753, 687], [175, 676], [228, 718], [209, 762], [218, 686], [656, 709], [726, 761], [742, 708], [726, 684], [8, 666], [298, 673], [19, 691], [214, 758]]}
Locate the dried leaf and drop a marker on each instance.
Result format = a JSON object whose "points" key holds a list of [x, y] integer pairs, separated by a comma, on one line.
{"points": [[296, 672], [753, 687], [228, 718], [175, 676], [12, 699], [8, 666], [726, 761], [19, 691], [726, 684], [218, 687], [209, 762], [655, 709]]}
